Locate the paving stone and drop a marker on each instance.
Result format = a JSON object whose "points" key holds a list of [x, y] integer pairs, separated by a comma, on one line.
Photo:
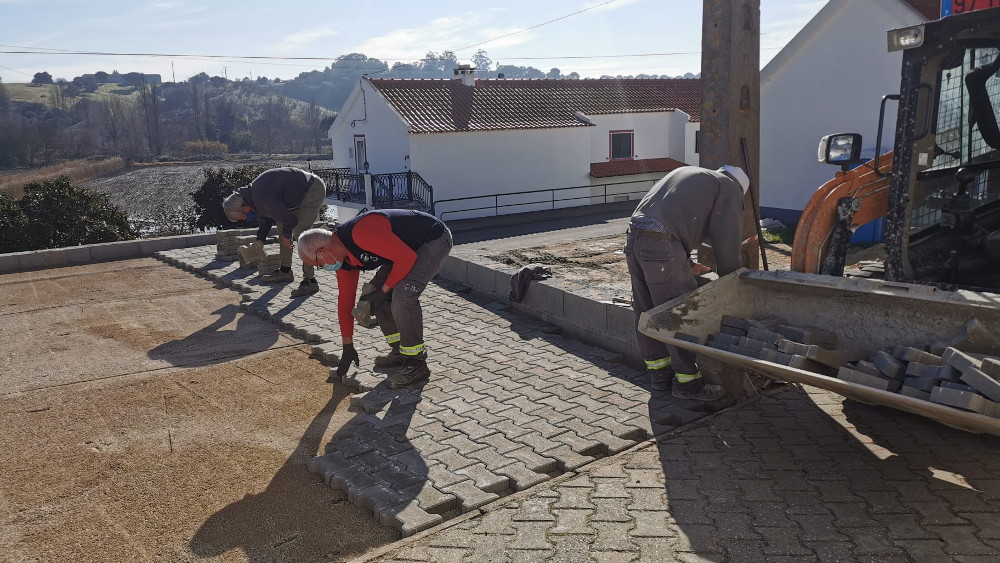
{"points": [[469, 496], [960, 360], [485, 479], [982, 383], [409, 518], [888, 365], [965, 400], [877, 382], [572, 521]]}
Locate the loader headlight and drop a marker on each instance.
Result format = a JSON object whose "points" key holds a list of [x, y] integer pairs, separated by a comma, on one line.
{"points": [[906, 38], [842, 149]]}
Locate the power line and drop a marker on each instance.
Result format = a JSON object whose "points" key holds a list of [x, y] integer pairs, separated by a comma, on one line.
{"points": [[538, 25]]}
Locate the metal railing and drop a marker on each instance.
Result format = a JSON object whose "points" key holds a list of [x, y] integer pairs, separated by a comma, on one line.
{"points": [[343, 185], [401, 190], [547, 198]]}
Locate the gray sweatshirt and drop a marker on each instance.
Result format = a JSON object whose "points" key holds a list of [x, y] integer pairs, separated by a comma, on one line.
{"points": [[274, 195], [695, 205]]}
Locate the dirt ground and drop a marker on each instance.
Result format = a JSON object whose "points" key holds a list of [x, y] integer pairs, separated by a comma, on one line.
{"points": [[138, 428]]}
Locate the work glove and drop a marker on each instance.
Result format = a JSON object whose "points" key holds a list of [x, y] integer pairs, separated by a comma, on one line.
{"points": [[376, 298], [346, 357]]}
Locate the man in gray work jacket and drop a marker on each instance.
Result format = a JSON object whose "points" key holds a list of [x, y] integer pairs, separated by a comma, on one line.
{"points": [[685, 208], [291, 198]]}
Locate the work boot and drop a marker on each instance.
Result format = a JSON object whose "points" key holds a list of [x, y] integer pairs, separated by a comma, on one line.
{"points": [[414, 369], [392, 359], [698, 390], [278, 276], [660, 379], [307, 287]]}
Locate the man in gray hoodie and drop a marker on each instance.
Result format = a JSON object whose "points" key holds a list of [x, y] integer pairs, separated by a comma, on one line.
{"points": [[290, 198], [686, 207]]}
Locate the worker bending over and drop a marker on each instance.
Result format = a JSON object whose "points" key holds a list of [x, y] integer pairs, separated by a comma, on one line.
{"points": [[408, 248], [685, 208]]}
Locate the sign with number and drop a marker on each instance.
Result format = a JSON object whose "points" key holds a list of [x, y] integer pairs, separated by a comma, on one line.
{"points": [[951, 7]]}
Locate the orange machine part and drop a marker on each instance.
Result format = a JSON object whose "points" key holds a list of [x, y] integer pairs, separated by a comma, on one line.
{"points": [[812, 235]]}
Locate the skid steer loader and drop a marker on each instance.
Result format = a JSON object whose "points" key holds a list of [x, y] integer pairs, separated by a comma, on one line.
{"points": [[939, 191]]}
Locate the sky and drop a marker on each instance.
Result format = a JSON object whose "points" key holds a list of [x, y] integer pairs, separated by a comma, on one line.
{"points": [[590, 37]]}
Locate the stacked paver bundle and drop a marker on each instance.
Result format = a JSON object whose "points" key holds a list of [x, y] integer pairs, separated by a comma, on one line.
{"points": [[941, 374]]}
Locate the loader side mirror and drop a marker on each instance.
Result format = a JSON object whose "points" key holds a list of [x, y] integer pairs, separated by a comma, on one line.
{"points": [[842, 149]]}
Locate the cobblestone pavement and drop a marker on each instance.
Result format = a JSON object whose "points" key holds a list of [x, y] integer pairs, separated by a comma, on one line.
{"points": [[527, 446], [510, 403], [802, 475]]}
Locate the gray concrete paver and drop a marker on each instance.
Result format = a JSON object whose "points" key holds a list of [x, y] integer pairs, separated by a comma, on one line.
{"points": [[799, 475]]}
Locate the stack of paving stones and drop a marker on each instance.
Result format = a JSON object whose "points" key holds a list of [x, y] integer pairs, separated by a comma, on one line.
{"points": [[773, 340], [510, 402], [950, 377], [954, 378], [227, 243]]}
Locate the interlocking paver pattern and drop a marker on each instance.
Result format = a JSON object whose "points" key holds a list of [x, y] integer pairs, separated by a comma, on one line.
{"points": [[799, 475]]}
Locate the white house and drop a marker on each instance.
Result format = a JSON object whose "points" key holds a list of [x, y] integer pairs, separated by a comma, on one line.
{"points": [[830, 78], [499, 146]]}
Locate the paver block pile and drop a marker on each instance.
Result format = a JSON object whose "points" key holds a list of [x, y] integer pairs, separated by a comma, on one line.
{"points": [[942, 373]]}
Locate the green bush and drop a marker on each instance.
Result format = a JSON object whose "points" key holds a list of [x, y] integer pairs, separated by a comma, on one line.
{"points": [[56, 214], [219, 183]]}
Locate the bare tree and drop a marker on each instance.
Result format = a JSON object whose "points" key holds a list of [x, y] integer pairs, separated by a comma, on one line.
{"points": [[149, 103]]}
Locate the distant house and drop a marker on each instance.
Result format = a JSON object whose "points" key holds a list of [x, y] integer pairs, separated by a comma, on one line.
{"points": [[496, 146], [830, 78]]}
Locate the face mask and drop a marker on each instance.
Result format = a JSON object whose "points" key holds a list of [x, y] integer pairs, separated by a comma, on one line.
{"points": [[250, 215], [332, 267]]}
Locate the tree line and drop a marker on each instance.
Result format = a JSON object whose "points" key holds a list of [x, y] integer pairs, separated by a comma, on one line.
{"points": [[139, 119]]}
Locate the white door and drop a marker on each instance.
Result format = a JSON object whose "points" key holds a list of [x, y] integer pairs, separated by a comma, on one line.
{"points": [[360, 154]]}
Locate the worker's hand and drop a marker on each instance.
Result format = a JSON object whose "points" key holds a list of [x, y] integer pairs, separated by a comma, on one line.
{"points": [[699, 269], [348, 355], [376, 298]]}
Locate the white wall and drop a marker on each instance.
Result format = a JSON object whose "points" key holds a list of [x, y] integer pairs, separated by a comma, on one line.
{"points": [[487, 163], [690, 131], [386, 135], [656, 135], [829, 79]]}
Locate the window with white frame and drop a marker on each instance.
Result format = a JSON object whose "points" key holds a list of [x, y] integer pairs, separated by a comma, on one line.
{"points": [[622, 145]]}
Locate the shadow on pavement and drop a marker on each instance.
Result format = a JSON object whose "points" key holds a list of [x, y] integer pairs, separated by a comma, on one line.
{"points": [[292, 519], [212, 344]]}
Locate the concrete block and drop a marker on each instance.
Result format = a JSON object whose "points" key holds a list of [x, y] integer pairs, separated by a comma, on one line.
{"points": [[732, 331], [585, 312], [756, 345], [114, 250], [917, 369], [544, 298], [455, 269], [776, 357], [621, 321], [409, 518], [910, 354], [197, 239], [485, 279], [735, 322], [833, 358], [981, 382], [991, 367], [915, 393], [956, 385], [801, 362], [31, 260], [764, 335], [79, 254], [55, 257], [921, 383], [877, 382], [888, 365], [965, 400], [8, 262], [804, 335], [947, 373], [727, 339], [975, 338], [791, 347], [960, 360], [469, 496], [148, 247], [866, 367]]}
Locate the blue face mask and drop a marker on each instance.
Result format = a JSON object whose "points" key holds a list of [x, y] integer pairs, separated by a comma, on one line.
{"points": [[250, 215], [332, 267]]}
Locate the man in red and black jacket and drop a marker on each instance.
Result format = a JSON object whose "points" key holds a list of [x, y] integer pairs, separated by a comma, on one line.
{"points": [[408, 248]]}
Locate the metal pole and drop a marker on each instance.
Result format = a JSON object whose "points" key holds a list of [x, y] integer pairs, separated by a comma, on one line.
{"points": [[756, 213]]}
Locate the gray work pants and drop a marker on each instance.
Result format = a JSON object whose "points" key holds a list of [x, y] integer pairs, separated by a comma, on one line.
{"points": [[402, 314], [660, 269], [307, 213]]}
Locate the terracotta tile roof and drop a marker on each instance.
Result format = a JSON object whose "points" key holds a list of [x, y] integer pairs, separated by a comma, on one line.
{"points": [[626, 167], [443, 105], [930, 9]]}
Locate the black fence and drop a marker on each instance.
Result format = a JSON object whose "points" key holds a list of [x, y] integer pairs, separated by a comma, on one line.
{"points": [[343, 185], [401, 190]]}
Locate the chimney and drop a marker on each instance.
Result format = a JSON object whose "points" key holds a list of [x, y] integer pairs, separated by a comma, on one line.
{"points": [[466, 74]]}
